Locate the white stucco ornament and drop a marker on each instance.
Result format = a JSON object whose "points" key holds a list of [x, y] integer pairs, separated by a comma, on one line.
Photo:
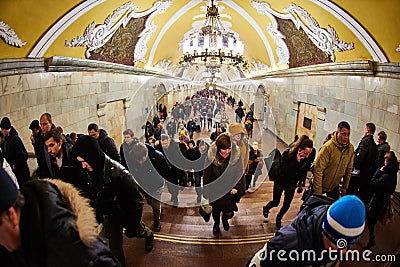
{"points": [[96, 36], [9, 35], [325, 39]]}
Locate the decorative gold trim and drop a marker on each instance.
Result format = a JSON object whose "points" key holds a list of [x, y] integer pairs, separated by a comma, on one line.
{"points": [[212, 241]]}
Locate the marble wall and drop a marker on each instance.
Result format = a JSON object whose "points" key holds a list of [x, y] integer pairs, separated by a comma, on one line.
{"points": [[354, 95], [77, 98], [77, 93]]}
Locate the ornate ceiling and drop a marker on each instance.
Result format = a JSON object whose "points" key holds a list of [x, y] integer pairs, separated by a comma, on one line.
{"points": [[277, 34]]}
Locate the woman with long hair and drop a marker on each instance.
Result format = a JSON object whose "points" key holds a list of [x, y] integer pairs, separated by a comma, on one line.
{"points": [[222, 180], [295, 163]]}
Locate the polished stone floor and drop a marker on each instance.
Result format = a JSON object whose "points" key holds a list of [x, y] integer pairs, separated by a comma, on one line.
{"points": [[187, 240]]}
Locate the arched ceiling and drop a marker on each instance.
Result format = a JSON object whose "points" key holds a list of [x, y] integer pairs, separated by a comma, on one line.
{"points": [[277, 34]]}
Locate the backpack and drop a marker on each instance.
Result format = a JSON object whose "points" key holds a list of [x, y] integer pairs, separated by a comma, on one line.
{"points": [[316, 200], [273, 164], [249, 126]]}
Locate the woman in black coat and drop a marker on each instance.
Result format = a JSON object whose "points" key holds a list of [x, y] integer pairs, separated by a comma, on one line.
{"points": [[294, 166], [222, 180], [382, 185]]}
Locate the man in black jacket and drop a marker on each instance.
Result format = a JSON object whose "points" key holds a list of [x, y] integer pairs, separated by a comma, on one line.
{"points": [[382, 148], [49, 224], [129, 141], [118, 200], [107, 144], [42, 155], [239, 114], [149, 167], [364, 163], [318, 235], [14, 151], [171, 151], [63, 164]]}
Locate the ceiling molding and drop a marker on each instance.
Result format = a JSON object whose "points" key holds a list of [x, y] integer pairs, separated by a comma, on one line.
{"points": [[164, 29], [51, 35], [190, 5], [9, 35], [257, 28], [365, 38]]}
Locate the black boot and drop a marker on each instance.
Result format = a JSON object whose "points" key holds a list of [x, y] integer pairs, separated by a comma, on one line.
{"points": [[216, 228], [371, 243], [278, 222], [157, 226], [225, 223], [265, 211], [149, 243], [216, 222]]}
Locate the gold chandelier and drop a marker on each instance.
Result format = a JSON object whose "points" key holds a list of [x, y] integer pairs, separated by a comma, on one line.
{"points": [[212, 45]]}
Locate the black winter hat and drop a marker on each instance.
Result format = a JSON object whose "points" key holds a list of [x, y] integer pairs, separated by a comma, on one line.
{"points": [[88, 148], [34, 125], [8, 191], [5, 123]]}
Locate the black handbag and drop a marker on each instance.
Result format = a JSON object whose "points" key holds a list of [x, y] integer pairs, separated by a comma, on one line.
{"points": [[273, 164], [308, 192]]}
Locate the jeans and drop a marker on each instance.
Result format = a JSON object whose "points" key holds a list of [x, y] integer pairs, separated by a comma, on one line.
{"points": [[277, 193], [113, 228], [238, 119], [154, 200], [197, 182]]}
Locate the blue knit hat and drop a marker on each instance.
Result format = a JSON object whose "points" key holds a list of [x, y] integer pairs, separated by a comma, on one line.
{"points": [[345, 219], [8, 191]]}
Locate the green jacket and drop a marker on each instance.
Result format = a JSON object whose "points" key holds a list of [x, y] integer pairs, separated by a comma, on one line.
{"points": [[333, 162]]}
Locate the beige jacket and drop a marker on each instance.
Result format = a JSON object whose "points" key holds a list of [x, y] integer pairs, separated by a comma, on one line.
{"points": [[333, 162]]}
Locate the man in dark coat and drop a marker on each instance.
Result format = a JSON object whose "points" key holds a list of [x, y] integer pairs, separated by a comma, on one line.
{"points": [[107, 144], [383, 185], [239, 114], [129, 141], [149, 167], [318, 231], [382, 148], [364, 163], [14, 151], [41, 153], [118, 200], [171, 128], [148, 130], [34, 126], [64, 165], [49, 224], [171, 151], [215, 134]]}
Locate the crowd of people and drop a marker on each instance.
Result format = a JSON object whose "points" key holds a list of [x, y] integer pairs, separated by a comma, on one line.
{"points": [[113, 183]]}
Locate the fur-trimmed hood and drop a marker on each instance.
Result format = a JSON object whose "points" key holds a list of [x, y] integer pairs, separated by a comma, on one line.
{"points": [[86, 223], [212, 152]]}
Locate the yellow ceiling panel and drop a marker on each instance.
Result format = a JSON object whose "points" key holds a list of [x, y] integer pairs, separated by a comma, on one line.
{"points": [[32, 19], [381, 19]]}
